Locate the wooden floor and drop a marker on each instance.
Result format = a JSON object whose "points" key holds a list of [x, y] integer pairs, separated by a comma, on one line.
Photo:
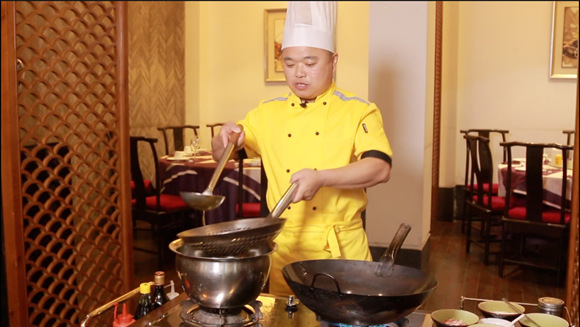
{"points": [[459, 274]]}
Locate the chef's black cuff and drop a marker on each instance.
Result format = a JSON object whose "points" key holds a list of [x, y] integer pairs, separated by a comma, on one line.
{"points": [[379, 155]]}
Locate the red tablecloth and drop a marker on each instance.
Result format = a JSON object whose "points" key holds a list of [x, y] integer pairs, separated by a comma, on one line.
{"points": [[194, 174]]}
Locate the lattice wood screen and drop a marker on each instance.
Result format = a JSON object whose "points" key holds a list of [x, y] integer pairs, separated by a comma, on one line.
{"points": [[70, 124]]}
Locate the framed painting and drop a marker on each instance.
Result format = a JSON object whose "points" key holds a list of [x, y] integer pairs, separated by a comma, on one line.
{"points": [[273, 34], [564, 49]]}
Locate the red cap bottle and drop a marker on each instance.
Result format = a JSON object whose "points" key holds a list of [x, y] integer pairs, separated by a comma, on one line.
{"points": [[124, 319]]}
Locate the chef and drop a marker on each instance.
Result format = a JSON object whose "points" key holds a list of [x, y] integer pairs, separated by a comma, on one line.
{"points": [[329, 142]]}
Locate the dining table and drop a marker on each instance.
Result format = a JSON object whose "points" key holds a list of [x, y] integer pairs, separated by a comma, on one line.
{"points": [[192, 173], [551, 181]]}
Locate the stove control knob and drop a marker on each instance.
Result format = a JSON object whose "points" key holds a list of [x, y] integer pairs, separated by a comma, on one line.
{"points": [[292, 304]]}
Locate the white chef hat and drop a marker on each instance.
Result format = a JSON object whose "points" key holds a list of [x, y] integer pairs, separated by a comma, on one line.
{"points": [[310, 24]]}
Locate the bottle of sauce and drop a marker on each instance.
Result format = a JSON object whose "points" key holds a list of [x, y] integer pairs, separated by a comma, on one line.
{"points": [[145, 304], [172, 294], [124, 319], [159, 295]]}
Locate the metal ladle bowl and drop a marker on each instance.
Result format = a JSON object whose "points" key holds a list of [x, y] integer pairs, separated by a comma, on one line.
{"points": [[202, 201], [207, 200]]}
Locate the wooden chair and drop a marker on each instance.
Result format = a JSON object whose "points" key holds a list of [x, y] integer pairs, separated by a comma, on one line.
{"points": [[482, 202], [486, 170], [212, 126], [569, 134], [533, 233], [251, 209], [163, 212], [175, 135]]}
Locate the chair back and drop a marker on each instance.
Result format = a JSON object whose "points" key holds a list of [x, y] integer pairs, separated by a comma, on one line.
{"points": [[212, 126], [481, 169], [534, 198], [569, 134], [251, 210], [175, 135], [137, 169], [487, 133]]}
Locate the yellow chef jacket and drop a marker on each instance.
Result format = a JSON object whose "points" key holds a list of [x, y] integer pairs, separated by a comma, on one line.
{"points": [[336, 129]]}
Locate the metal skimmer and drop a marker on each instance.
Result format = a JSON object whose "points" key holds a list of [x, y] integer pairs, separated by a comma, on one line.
{"points": [[232, 238]]}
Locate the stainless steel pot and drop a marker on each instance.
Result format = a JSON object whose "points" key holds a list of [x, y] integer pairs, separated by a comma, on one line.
{"points": [[223, 282]]}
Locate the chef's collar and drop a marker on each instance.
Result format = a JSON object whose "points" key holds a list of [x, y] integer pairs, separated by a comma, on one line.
{"points": [[293, 98]]}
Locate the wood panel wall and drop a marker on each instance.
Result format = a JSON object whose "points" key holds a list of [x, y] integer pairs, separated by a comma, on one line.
{"points": [[156, 69], [573, 275]]}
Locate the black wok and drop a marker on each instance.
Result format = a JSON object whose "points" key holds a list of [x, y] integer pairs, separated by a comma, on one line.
{"points": [[354, 292]]}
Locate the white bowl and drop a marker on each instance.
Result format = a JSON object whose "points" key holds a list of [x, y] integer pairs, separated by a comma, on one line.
{"points": [[496, 322]]}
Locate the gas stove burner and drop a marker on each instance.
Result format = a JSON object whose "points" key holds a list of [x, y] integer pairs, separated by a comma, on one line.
{"points": [[195, 315], [397, 323]]}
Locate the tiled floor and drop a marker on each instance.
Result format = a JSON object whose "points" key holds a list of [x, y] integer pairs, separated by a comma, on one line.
{"points": [[459, 274]]}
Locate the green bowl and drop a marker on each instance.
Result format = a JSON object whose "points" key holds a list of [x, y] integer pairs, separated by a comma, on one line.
{"points": [[439, 316], [499, 309], [544, 319]]}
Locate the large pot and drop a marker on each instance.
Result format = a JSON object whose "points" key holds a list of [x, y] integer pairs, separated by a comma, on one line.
{"points": [[360, 292], [223, 282]]}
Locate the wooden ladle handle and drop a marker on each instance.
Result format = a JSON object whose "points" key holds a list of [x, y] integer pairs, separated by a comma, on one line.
{"points": [[223, 159]]}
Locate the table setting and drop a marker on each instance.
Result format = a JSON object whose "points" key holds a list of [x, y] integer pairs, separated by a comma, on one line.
{"points": [[552, 179], [191, 172]]}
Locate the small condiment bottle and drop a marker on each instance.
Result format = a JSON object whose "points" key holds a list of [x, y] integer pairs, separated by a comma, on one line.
{"points": [[145, 304], [124, 319], [172, 294], [551, 305], [159, 296]]}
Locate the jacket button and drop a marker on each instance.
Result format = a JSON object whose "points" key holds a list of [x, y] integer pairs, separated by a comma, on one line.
{"points": [[316, 133], [324, 103], [292, 104], [287, 170], [314, 208], [289, 135]]}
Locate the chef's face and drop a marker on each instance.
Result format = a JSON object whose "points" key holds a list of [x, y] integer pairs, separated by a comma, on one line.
{"points": [[308, 71]]}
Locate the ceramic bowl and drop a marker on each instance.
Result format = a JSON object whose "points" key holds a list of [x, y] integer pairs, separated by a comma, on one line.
{"points": [[544, 319], [439, 317], [499, 309], [495, 322]]}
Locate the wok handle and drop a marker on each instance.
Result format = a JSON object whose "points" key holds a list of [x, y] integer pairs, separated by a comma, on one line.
{"points": [[283, 203], [222, 162], [387, 261], [391, 252], [329, 276]]}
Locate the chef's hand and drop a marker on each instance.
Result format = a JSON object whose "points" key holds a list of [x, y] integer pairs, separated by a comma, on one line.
{"points": [[221, 140], [308, 182]]}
